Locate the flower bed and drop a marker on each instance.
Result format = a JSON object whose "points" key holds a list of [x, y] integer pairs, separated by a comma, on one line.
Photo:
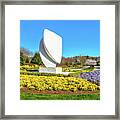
{"points": [[56, 83], [91, 76]]}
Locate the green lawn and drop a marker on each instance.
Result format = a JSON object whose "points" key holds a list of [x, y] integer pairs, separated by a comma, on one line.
{"points": [[29, 96]]}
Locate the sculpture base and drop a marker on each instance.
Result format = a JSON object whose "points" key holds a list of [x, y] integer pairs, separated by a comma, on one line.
{"points": [[56, 70]]}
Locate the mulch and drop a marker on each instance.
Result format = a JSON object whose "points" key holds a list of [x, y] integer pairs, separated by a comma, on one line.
{"points": [[25, 89]]}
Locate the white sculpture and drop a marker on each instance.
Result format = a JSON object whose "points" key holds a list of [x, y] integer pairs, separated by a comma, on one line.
{"points": [[51, 49]]}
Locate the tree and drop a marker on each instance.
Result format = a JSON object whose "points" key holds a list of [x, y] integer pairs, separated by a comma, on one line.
{"points": [[22, 59], [36, 59], [27, 60], [26, 52], [82, 60], [24, 56], [98, 63]]}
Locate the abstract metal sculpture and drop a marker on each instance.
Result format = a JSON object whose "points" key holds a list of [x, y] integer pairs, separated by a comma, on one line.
{"points": [[51, 49]]}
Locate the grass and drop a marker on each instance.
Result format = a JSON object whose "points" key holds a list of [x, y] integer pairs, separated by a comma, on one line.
{"points": [[32, 96]]}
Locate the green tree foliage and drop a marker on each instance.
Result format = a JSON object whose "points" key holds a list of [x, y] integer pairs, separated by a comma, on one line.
{"points": [[22, 59], [27, 60], [36, 59], [98, 63]]}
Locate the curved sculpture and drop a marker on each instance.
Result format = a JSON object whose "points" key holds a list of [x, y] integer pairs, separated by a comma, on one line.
{"points": [[51, 48]]}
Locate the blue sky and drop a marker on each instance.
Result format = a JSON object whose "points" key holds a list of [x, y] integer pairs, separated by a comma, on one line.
{"points": [[80, 37]]}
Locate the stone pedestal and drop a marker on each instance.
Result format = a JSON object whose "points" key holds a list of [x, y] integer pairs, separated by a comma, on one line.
{"points": [[56, 70]]}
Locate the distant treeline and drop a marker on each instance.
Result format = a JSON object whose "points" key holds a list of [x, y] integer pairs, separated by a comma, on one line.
{"points": [[27, 57]]}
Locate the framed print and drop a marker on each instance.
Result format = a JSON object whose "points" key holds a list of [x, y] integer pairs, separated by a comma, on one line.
{"points": [[60, 60]]}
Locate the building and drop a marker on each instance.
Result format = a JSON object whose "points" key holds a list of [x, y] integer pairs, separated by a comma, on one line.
{"points": [[91, 62]]}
